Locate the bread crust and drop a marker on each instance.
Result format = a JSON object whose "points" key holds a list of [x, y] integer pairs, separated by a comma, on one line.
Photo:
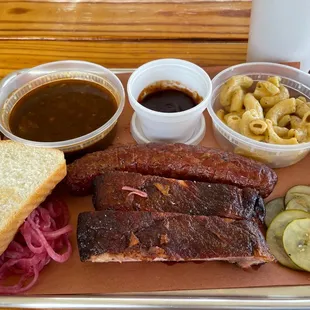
{"points": [[12, 224]]}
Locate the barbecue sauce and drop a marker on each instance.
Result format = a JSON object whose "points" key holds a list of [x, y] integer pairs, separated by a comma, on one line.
{"points": [[168, 97], [62, 110], [168, 101]]}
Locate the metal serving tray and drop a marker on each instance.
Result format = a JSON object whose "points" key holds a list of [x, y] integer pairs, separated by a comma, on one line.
{"points": [[155, 302], [296, 297]]}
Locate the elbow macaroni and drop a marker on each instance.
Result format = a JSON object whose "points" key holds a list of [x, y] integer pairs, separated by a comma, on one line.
{"points": [[268, 114], [250, 102], [274, 138], [237, 100], [306, 118], [268, 102], [258, 127], [301, 108], [240, 113], [281, 109], [281, 131], [295, 121], [285, 120], [299, 134], [259, 156], [220, 114], [233, 84], [246, 119], [233, 121], [264, 89], [275, 80], [302, 98]]}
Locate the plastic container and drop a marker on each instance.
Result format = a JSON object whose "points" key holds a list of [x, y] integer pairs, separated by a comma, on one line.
{"points": [[169, 127], [18, 85], [274, 155], [198, 135]]}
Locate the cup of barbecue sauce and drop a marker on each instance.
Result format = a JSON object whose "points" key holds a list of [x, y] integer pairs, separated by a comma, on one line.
{"points": [[69, 105], [169, 97]]}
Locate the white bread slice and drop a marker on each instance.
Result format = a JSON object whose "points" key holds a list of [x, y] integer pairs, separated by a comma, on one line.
{"points": [[27, 177]]}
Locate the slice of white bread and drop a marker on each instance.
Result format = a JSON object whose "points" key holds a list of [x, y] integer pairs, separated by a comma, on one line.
{"points": [[27, 176]]}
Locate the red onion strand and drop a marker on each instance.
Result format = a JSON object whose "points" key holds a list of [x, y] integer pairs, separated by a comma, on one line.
{"points": [[42, 237], [134, 191]]}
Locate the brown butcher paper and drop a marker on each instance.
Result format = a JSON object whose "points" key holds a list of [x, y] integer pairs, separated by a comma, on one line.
{"points": [[74, 277]]}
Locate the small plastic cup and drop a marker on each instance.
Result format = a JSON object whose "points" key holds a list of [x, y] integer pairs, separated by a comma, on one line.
{"points": [[169, 127], [274, 155], [20, 83]]}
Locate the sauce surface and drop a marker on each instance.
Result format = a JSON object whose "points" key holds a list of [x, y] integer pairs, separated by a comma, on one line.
{"points": [[168, 101], [168, 97], [62, 110]]}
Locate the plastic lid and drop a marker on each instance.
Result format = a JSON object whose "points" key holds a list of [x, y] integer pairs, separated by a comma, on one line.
{"points": [[140, 138]]}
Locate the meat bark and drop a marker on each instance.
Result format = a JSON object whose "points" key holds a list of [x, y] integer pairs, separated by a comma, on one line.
{"points": [[176, 196], [109, 236], [180, 161]]}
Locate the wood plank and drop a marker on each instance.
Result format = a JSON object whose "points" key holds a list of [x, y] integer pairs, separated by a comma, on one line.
{"points": [[25, 54], [124, 19]]}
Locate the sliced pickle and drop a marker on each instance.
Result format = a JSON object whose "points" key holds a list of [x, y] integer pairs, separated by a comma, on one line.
{"points": [[296, 241], [299, 203], [273, 208], [275, 235], [298, 190]]}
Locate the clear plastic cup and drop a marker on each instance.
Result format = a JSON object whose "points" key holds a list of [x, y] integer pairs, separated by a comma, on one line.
{"points": [[19, 83], [274, 155], [169, 127]]}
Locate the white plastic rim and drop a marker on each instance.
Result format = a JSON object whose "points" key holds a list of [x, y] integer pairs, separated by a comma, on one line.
{"points": [[140, 138], [59, 67], [169, 62], [257, 68]]}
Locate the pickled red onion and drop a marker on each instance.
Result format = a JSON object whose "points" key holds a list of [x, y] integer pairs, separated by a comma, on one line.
{"points": [[41, 237], [134, 191]]}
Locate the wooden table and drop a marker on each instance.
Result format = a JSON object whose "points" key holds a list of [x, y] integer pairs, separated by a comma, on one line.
{"points": [[122, 33]]}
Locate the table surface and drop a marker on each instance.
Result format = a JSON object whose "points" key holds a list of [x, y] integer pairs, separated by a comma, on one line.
{"points": [[122, 33]]}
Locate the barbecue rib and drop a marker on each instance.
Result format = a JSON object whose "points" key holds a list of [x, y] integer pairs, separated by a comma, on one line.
{"points": [[178, 161], [109, 236], [179, 196]]}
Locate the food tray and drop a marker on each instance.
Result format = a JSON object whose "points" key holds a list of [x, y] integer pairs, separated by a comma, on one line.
{"points": [[158, 285]]}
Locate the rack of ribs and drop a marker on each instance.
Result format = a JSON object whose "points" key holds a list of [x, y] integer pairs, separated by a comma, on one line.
{"points": [[121, 191], [116, 236], [179, 161]]}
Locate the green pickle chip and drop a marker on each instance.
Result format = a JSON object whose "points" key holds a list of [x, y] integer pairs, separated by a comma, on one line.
{"points": [[296, 241], [275, 235]]}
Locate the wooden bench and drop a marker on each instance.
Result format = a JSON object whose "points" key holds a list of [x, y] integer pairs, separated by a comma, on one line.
{"points": [[122, 33]]}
